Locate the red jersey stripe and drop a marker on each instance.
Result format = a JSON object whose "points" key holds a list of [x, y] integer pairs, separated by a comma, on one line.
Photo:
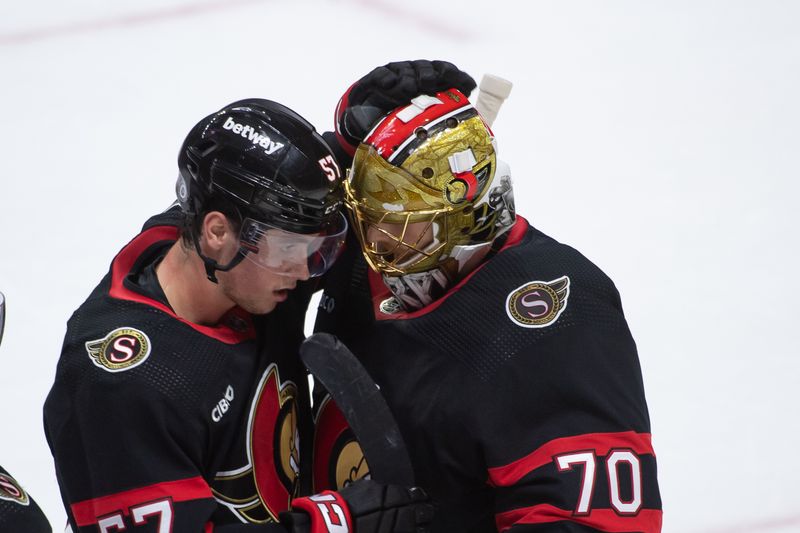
{"points": [[87, 512], [123, 263], [601, 443], [646, 521]]}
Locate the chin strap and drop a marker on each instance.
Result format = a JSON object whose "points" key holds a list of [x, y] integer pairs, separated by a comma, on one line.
{"points": [[212, 266]]}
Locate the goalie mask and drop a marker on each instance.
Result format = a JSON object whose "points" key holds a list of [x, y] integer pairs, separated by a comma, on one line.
{"points": [[427, 196]]}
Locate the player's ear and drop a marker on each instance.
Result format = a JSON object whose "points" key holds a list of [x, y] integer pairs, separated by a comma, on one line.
{"points": [[216, 232]]}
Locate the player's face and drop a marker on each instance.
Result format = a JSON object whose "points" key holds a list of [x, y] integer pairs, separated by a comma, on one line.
{"points": [[399, 244], [257, 289]]}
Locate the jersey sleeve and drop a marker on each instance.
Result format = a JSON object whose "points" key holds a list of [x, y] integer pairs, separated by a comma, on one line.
{"points": [[570, 448], [18, 510]]}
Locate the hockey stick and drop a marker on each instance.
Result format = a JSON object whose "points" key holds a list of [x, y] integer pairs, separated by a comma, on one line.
{"points": [[2, 315], [493, 91], [361, 403]]}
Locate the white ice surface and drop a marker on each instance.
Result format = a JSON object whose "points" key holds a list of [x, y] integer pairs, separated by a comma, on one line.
{"points": [[660, 138]]}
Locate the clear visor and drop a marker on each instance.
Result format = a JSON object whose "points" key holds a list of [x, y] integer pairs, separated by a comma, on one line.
{"points": [[292, 254]]}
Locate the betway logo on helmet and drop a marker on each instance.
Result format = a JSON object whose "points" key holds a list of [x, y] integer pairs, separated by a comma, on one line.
{"points": [[248, 132]]}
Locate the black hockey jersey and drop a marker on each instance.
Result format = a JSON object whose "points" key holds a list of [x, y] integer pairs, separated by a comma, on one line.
{"points": [[159, 424], [519, 393], [18, 511]]}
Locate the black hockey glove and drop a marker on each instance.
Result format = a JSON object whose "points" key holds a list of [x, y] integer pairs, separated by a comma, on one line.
{"points": [[366, 506], [388, 87]]}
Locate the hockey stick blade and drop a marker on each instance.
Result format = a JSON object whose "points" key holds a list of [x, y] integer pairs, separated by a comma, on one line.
{"points": [[363, 406]]}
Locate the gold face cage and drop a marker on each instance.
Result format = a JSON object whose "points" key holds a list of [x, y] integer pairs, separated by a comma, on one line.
{"points": [[398, 243], [409, 217]]}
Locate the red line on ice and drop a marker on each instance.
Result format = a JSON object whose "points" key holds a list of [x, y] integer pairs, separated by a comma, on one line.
{"points": [[133, 19], [430, 24]]}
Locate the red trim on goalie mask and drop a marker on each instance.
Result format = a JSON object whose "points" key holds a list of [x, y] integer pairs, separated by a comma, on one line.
{"points": [[126, 258], [600, 443], [647, 521], [87, 512], [392, 132], [381, 292]]}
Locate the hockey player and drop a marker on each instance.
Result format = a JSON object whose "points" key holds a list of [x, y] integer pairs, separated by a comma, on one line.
{"points": [[503, 354], [169, 413], [18, 511]]}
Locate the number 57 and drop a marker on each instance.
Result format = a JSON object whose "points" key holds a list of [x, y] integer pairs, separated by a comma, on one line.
{"points": [[161, 509]]}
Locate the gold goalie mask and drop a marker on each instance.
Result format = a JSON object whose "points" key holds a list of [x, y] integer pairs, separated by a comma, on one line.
{"points": [[426, 194]]}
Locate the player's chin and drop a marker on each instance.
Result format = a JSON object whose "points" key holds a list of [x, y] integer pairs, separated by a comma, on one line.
{"points": [[261, 306], [265, 302]]}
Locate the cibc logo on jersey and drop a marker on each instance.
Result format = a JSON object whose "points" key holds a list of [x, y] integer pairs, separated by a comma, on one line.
{"points": [[10, 491], [122, 349], [538, 304]]}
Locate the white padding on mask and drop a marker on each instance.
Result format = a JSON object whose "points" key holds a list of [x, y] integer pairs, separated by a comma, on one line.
{"points": [[418, 105], [462, 161]]}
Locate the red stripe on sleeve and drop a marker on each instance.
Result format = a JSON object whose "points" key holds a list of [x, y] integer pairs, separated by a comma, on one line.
{"points": [[601, 443], [647, 521], [87, 512]]}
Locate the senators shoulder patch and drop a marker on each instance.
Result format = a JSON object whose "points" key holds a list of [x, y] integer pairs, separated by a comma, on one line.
{"points": [[538, 304], [11, 491], [122, 349]]}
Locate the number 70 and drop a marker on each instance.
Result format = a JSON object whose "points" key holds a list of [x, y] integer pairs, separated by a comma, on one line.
{"points": [[588, 459]]}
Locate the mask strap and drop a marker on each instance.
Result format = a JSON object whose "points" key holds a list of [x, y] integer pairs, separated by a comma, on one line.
{"points": [[212, 266]]}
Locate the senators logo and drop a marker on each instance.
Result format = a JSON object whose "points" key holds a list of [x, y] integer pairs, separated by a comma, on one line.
{"points": [[538, 304], [465, 186], [264, 487], [11, 491], [122, 349], [338, 458]]}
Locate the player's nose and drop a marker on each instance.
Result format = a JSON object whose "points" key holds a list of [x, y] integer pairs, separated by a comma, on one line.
{"points": [[379, 241]]}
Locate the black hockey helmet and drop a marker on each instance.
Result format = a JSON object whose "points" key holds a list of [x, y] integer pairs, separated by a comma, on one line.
{"points": [[266, 160], [271, 165]]}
